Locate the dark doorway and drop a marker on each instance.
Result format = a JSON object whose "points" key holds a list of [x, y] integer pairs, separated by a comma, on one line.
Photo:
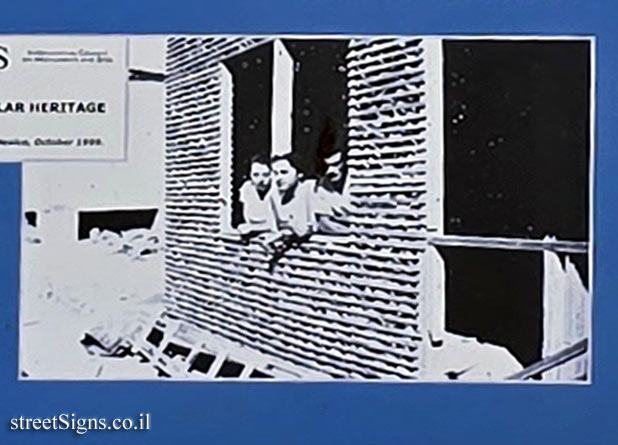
{"points": [[497, 297]]}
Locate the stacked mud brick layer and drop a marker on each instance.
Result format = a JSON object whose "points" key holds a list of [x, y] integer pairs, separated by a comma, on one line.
{"points": [[344, 307]]}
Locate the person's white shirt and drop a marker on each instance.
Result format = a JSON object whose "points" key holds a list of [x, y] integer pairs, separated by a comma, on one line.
{"points": [[298, 213], [257, 211]]}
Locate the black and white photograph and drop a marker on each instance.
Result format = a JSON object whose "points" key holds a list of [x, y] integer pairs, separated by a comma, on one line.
{"points": [[323, 208]]}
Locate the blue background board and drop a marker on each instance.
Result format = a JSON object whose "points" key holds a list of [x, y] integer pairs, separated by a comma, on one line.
{"points": [[332, 412]]}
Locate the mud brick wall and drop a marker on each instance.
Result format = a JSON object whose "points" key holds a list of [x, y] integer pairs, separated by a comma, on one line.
{"points": [[342, 306]]}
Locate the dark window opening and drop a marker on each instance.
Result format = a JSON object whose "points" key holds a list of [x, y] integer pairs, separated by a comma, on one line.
{"points": [[114, 220], [230, 369], [517, 138], [202, 363], [257, 374], [319, 110], [31, 218], [252, 73], [173, 349], [155, 337]]}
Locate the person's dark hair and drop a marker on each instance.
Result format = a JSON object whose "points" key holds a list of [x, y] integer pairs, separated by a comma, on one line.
{"points": [[328, 146], [256, 159], [259, 159], [286, 157]]}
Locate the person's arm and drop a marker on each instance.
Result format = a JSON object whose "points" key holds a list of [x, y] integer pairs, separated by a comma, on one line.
{"points": [[330, 213], [330, 226]]}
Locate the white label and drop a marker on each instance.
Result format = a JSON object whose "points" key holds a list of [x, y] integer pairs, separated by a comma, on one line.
{"points": [[62, 97]]}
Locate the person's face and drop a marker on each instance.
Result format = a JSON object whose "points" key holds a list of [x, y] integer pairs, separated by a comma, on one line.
{"points": [[286, 175], [260, 176], [334, 167]]}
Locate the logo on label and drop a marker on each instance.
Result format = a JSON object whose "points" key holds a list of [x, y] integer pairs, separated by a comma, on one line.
{"points": [[4, 57]]}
